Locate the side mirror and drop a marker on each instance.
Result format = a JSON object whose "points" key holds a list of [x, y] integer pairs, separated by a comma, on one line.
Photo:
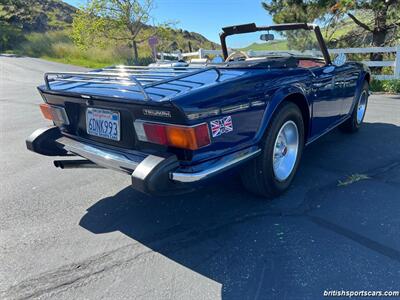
{"points": [[217, 60], [267, 37], [340, 60]]}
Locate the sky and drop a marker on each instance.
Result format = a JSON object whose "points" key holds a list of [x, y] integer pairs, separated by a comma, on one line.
{"points": [[207, 17]]}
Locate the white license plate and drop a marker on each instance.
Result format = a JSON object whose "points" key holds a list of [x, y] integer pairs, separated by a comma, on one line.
{"points": [[103, 123]]}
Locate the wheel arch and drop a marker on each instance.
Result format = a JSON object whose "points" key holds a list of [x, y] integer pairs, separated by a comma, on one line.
{"points": [[295, 95], [364, 77], [301, 101]]}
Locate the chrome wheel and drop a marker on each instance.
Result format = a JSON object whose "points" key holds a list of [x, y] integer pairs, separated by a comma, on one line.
{"points": [[361, 106], [285, 152]]}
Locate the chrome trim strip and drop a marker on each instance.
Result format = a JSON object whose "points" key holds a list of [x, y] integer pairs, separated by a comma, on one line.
{"points": [[217, 168], [257, 103], [168, 124], [203, 114], [234, 108]]}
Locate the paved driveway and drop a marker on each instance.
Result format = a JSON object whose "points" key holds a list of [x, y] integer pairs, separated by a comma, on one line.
{"points": [[68, 234]]}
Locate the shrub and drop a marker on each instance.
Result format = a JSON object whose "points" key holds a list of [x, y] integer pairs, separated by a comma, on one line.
{"points": [[141, 61], [63, 50], [36, 45], [101, 55], [57, 46], [10, 37], [124, 52], [41, 44], [389, 86]]}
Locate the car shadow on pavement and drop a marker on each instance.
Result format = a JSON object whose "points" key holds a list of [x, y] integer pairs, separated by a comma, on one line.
{"points": [[256, 248]]}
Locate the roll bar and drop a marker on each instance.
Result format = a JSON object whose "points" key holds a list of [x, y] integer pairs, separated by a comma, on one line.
{"points": [[252, 27]]}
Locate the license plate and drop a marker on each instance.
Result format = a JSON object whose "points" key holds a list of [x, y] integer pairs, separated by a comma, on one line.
{"points": [[103, 123]]}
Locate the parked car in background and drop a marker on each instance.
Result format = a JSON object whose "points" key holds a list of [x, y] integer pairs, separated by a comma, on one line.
{"points": [[173, 127]]}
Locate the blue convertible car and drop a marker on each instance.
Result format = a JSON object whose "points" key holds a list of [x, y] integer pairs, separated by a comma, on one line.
{"points": [[173, 127]]}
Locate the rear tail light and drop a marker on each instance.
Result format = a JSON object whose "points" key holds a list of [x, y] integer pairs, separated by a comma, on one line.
{"points": [[54, 113], [185, 137]]}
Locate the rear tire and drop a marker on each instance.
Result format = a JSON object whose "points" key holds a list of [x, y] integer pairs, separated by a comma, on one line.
{"points": [[357, 116], [271, 173]]}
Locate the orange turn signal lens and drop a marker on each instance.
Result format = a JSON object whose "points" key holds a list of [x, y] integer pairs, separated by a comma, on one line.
{"points": [[182, 137], [46, 111], [57, 114]]}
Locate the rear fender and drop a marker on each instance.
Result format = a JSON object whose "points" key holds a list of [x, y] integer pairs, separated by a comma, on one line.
{"points": [[276, 100], [365, 76]]}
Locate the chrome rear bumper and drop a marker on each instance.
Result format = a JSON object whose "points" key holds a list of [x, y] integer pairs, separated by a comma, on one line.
{"points": [[148, 172], [215, 168], [102, 157]]}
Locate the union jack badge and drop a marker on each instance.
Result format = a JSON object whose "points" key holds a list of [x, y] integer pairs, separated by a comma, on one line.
{"points": [[221, 126]]}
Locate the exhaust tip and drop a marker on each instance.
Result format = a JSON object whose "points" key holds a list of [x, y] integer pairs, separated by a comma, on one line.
{"points": [[58, 164], [74, 164]]}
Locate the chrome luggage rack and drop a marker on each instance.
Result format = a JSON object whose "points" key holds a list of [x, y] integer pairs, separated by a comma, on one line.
{"points": [[140, 77]]}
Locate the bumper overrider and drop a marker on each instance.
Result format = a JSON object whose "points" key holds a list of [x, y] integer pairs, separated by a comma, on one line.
{"points": [[151, 174]]}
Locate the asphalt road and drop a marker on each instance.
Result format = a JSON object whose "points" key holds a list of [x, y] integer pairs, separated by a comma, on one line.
{"points": [[73, 234]]}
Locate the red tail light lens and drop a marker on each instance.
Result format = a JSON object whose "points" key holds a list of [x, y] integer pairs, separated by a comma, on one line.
{"points": [[155, 133], [202, 135], [184, 137]]}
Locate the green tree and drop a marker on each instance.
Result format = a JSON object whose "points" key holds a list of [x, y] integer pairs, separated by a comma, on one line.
{"points": [[101, 21], [381, 18], [385, 19]]}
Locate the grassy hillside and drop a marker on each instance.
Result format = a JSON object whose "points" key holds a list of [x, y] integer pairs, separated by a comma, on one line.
{"points": [[46, 34], [50, 15], [270, 46]]}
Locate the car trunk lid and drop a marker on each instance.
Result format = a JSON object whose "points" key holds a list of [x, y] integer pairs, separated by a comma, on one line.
{"points": [[79, 111]]}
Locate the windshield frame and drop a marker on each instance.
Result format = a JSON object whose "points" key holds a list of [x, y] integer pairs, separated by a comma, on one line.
{"points": [[252, 27]]}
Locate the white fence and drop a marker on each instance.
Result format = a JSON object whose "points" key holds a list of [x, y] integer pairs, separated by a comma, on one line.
{"points": [[395, 64]]}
